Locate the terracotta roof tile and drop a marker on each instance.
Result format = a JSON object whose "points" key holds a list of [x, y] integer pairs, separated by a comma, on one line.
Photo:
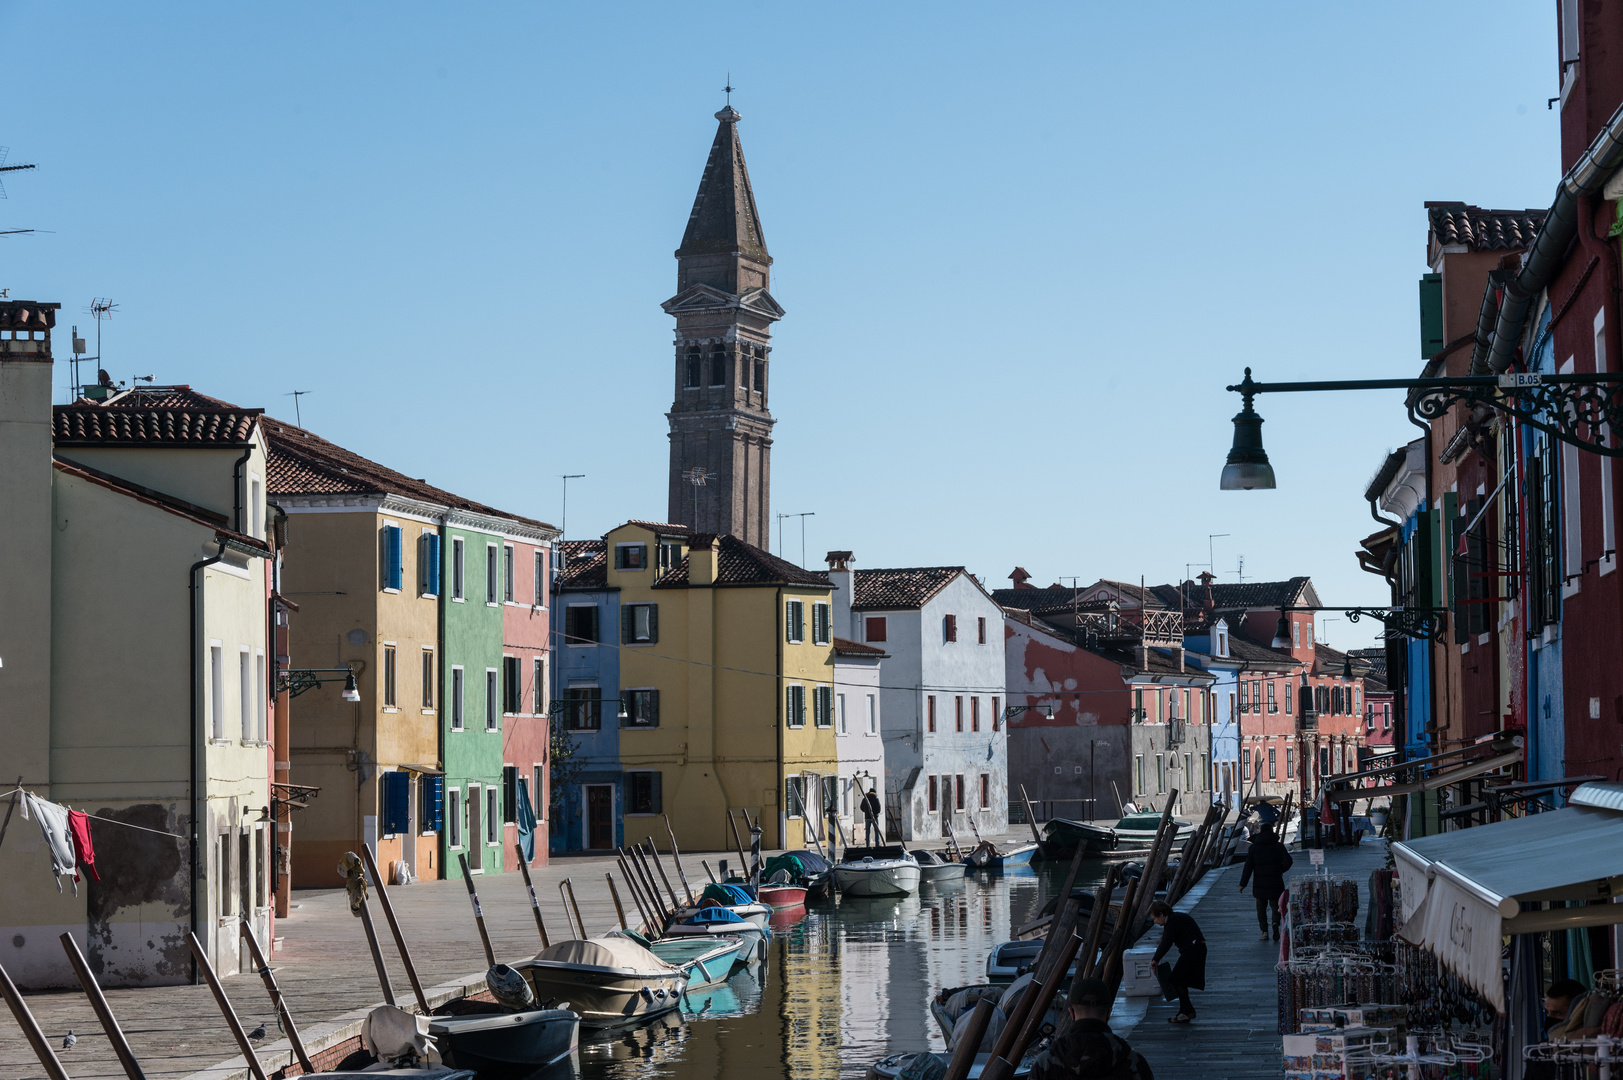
{"points": [[585, 564], [303, 463], [738, 563], [1483, 230], [1259, 594], [902, 588], [84, 424], [844, 647], [661, 526]]}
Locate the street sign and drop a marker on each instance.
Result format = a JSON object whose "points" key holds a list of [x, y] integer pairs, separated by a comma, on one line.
{"points": [[1315, 856], [1511, 380]]}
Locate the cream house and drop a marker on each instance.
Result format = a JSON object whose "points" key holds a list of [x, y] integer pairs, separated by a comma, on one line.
{"points": [[136, 674]]}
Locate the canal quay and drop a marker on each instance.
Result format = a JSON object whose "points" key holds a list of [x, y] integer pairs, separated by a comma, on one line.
{"points": [[843, 985]]}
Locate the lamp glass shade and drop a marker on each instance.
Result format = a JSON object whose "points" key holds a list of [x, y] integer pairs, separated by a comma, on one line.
{"points": [[1346, 668], [1247, 468], [1282, 635], [351, 692]]}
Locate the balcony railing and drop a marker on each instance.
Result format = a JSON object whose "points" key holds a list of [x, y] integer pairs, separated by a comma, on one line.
{"points": [[1154, 628]]}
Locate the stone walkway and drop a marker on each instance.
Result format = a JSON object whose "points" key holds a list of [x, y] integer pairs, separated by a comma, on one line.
{"points": [[1235, 1036]]}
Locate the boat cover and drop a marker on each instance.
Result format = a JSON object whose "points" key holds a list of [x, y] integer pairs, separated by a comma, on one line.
{"points": [[392, 1034], [857, 854], [789, 864], [813, 863], [726, 895], [705, 916], [620, 954]]}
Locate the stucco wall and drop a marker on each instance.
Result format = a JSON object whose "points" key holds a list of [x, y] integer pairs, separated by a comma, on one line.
{"points": [[861, 752], [472, 638]]}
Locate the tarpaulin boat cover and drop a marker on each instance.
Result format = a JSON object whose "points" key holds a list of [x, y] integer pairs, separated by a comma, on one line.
{"points": [[706, 916], [813, 862], [1463, 890], [617, 953], [726, 895], [787, 863]]}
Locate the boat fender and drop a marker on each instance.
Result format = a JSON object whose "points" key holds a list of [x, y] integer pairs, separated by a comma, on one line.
{"points": [[648, 995]]}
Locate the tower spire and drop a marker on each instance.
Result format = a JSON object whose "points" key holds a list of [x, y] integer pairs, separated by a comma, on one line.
{"points": [[724, 219]]}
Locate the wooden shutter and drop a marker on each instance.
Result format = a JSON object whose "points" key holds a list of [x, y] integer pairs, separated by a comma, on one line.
{"points": [[391, 557], [950, 626], [396, 802], [656, 792], [653, 622], [876, 628], [433, 803], [628, 625], [509, 793], [653, 709]]}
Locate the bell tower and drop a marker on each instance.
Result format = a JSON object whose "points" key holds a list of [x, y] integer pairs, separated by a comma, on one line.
{"points": [[720, 429]]}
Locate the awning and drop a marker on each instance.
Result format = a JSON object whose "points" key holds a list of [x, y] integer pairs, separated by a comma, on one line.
{"points": [[1463, 890], [425, 770], [1430, 783]]}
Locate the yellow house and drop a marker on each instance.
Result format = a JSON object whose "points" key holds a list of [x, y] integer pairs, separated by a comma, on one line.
{"points": [[726, 683]]}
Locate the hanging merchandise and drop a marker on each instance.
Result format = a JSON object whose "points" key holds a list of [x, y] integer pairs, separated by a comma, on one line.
{"points": [[1578, 1059], [53, 822], [84, 852]]}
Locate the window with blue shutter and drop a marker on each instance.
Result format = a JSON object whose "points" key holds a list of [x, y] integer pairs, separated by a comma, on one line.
{"points": [[392, 561], [433, 789], [396, 803], [428, 564]]}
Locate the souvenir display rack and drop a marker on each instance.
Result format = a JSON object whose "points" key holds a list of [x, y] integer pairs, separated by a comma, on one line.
{"points": [[1600, 1058]]}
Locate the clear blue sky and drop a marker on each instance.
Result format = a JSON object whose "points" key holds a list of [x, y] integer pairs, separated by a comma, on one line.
{"points": [[1022, 249]]}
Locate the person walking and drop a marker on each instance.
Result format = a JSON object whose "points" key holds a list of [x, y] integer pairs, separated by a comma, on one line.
{"points": [[870, 817], [1265, 867], [1189, 973], [1089, 1050]]}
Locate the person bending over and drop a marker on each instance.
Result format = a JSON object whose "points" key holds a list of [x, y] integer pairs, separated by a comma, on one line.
{"points": [[1189, 973]]}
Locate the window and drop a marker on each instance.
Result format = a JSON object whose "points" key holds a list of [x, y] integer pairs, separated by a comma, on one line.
{"points": [[507, 573], [643, 793], [390, 561], [974, 714], [1160, 772], [428, 678], [492, 574], [1205, 769], [670, 553], [949, 628], [580, 624], [642, 708], [396, 808], [432, 792], [760, 379], [458, 569], [256, 510], [794, 796], [492, 702], [583, 709], [1271, 774], [1245, 702], [1608, 526], [1288, 696], [225, 873], [538, 685], [246, 712], [794, 706], [929, 712], [1188, 772], [997, 715], [1572, 545], [840, 708], [1296, 633], [456, 699], [260, 700], [794, 621], [428, 564], [1138, 706], [492, 807], [823, 706], [1273, 706], [512, 685], [540, 590], [718, 365], [639, 624], [690, 375], [538, 792], [958, 712], [453, 813], [1290, 761], [958, 803], [389, 701], [1138, 774], [1222, 643], [932, 797], [874, 628], [510, 784], [822, 624], [873, 715], [986, 791], [631, 556], [1245, 765]]}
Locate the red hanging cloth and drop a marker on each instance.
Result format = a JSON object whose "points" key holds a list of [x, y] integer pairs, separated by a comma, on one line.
{"points": [[79, 829]]}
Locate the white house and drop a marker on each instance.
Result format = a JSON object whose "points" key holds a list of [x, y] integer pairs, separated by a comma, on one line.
{"points": [[859, 745], [942, 693]]}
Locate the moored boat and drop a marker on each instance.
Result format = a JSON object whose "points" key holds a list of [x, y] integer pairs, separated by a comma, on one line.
{"points": [[714, 921], [1062, 836], [892, 1066], [607, 980], [707, 960], [988, 856], [876, 871], [936, 870], [1009, 961], [782, 894], [502, 1040], [806, 868], [1136, 832], [738, 899]]}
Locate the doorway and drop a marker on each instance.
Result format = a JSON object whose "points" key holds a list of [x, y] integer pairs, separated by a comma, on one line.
{"points": [[476, 830], [600, 816], [408, 842]]}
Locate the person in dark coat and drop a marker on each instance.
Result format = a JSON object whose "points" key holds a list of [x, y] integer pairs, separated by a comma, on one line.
{"points": [[1189, 973], [1265, 867], [1089, 1050], [870, 818]]}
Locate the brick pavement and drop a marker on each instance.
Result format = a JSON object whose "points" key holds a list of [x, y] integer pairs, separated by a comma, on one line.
{"points": [[1235, 1036]]}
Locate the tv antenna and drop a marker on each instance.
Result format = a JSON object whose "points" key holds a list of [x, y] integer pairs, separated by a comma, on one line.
{"points": [[296, 395], [1239, 567], [4, 168], [563, 521]]}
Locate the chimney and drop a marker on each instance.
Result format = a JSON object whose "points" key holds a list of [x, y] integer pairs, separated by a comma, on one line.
{"points": [[702, 557], [839, 576], [26, 484], [1021, 578]]}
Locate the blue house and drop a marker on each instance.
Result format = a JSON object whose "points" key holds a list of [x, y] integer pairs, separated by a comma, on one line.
{"points": [[586, 810], [1210, 651], [1399, 491]]}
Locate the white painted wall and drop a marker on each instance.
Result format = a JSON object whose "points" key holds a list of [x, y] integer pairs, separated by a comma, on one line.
{"points": [[861, 752]]}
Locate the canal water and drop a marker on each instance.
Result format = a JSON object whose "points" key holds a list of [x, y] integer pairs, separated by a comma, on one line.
{"points": [[841, 987]]}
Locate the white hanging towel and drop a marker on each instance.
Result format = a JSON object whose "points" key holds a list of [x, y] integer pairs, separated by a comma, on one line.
{"points": [[53, 822]]}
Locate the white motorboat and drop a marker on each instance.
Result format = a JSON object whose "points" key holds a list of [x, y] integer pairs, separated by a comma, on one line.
{"points": [[877, 871], [607, 980], [1136, 832], [935, 870]]}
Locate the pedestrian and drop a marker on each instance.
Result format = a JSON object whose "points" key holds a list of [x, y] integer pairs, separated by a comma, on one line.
{"points": [[870, 817], [1189, 973], [1265, 868], [1089, 1050]]}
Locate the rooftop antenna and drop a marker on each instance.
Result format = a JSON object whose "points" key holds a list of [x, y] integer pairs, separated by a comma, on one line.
{"points": [[1211, 559], [802, 517], [563, 520], [4, 168], [1240, 567], [296, 395], [101, 308]]}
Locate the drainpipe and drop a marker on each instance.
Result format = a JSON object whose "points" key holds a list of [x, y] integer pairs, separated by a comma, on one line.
{"points": [[783, 772], [194, 589], [236, 489]]}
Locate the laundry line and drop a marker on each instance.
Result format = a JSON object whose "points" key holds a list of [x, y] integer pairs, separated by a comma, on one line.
{"points": [[106, 820]]}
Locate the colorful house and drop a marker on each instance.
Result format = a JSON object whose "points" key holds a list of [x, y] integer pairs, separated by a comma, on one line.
{"points": [[586, 806], [432, 601], [858, 733]]}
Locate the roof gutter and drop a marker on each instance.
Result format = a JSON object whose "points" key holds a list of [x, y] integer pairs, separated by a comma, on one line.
{"points": [[1586, 178]]}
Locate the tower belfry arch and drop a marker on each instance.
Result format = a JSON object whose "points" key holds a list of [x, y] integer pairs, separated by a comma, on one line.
{"points": [[720, 426]]}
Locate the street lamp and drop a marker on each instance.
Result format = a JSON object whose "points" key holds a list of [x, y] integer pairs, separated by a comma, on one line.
{"points": [[295, 681], [1247, 467]]}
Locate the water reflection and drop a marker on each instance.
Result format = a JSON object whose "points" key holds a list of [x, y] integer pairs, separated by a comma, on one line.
{"points": [[840, 987]]}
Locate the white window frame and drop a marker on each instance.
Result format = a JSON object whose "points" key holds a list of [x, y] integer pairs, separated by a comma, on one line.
{"points": [[390, 697], [873, 714], [245, 690], [459, 697], [822, 623], [454, 824], [538, 692], [428, 694], [459, 570], [1572, 511], [789, 718], [256, 507], [798, 627], [509, 572], [493, 813], [261, 696], [493, 699], [493, 570], [217, 690], [839, 711], [540, 589]]}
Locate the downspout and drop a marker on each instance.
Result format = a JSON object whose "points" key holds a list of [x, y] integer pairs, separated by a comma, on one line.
{"points": [[236, 489], [783, 771], [194, 589], [1585, 179], [1431, 658]]}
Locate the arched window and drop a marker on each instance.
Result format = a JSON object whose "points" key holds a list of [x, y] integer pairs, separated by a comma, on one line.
{"points": [[691, 376], [718, 365], [759, 385]]}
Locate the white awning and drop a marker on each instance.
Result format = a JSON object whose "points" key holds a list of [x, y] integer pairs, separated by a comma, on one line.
{"points": [[1463, 890]]}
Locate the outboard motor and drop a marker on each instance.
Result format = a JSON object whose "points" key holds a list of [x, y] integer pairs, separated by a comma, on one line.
{"points": [[510, 989]]}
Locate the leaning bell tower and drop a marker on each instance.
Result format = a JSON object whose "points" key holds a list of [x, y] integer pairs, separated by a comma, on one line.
{"points": [[721, 431]]}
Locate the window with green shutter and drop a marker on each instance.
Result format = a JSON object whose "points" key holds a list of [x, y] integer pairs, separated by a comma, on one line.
{"points": [[794, 621], [1431, 315]]}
